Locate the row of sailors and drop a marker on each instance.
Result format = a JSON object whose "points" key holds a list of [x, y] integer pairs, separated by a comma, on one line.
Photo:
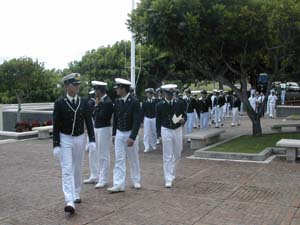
{"points": [[71, 113], [256, 101], [163, 119]]}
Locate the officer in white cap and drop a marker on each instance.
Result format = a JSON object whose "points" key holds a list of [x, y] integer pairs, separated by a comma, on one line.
{"points": [[158, 94], [100, 159], [204, 106], [170, 116], [126, 124], [148, 114], [272, 98], [69, 115]]}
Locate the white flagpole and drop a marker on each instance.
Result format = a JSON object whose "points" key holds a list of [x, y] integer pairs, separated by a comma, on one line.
{"points": [[132, 66]]}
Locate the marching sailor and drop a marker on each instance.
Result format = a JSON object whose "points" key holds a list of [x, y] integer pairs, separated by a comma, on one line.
{"points": [[170, 117], [204, 105], [191, 106], [100, 159], [148, 114], [126, 124], [69, 115]]}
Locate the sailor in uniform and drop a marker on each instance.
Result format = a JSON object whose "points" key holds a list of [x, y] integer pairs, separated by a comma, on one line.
{"points": [[100, 159], [170, 117], [272, 103], [148, 114], [126, 124], [190, 107], [236, 107], [69, 115], [204, 105]]}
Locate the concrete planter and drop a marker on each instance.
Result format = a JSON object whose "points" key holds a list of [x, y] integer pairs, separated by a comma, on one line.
{"points": [[18, 135], [286, 110], [204, 153]]}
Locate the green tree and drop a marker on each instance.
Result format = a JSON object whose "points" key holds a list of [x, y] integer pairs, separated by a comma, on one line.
{"points": [[24, 80], [228, 41], [106, 63]]}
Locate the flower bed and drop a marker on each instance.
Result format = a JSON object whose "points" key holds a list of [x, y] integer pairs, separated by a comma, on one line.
{"points": [[24, 126]]}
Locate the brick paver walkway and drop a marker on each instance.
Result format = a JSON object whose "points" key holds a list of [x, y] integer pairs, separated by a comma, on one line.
{"points": [[205, 192]]}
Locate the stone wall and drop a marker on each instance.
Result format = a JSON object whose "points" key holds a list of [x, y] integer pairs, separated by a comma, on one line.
{"points": [[10, 118], [285, 111]]}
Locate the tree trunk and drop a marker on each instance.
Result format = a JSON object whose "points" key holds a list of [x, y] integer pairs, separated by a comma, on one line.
{"points": [[254, 117], [19, 108], [256, 126]]}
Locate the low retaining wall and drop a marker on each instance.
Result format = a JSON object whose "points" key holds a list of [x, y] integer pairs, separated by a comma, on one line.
{"points": [[285, 110], [10, 118], [18, 135]]}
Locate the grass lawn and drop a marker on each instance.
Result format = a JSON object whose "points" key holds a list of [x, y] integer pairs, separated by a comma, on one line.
{"points": [[250, 144], [294, 117]]}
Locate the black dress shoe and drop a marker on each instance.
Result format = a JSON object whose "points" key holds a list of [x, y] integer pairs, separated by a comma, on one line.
{"points": [[77, 201], [69, 209]]}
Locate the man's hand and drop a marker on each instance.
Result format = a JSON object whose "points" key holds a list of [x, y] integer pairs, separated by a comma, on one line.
{"points": [[57, 152], [97, 100], [113, 140], [92, 147], [182, 121], [130, 142]]}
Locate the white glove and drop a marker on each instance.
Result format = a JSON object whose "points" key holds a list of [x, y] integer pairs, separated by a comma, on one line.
{"points": [[92, 147], [57, 152]]}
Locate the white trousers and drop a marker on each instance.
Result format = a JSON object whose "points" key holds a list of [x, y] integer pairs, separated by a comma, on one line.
{"points": [[102, 153], [172, 147], [189, 123], [196, 119], [72, 148], [93, 160], [149, 132], [218, 116], [235, 116], [204, 120], [272, 109], [224, 111], [282, 99], [213, 113], [121, 149]]}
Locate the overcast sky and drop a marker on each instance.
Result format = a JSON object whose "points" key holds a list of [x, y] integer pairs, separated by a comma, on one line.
{"points": [[57, 32]]}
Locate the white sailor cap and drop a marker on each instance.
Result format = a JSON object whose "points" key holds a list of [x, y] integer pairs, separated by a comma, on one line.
{"points": [[149, 90], [121, 81], [169, 87], [98, 83], [72, 78], [92, 92], [215, 90]]}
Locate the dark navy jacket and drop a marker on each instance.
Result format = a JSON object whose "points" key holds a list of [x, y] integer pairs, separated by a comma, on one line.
{"points": [[191, 104], [165, 112], [148, 108], [65, 121], [127, 116], [204, 105], [103, 113]]}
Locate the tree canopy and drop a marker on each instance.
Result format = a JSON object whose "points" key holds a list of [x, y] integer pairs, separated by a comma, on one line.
{"points": [[26, 80], [229, 41]]}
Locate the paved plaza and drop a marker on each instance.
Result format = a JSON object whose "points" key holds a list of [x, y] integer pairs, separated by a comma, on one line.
{"points": [[205, 192]]}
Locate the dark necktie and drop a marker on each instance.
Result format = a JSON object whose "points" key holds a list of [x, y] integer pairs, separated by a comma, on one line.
{"points": [[74, 103]]}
